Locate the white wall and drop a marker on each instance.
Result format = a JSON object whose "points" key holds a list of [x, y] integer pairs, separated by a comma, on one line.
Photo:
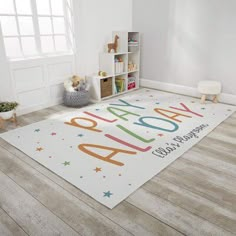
{"points": [[95, 22], [185, 41], [6, 91]]}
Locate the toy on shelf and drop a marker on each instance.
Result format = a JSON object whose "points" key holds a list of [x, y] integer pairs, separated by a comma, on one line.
{"points": [[132, 66], [102, 73], [113, 46], [133, 42], [133, 45], [131, 82]]}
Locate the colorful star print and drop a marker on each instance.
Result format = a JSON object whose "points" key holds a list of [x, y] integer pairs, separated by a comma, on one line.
{"points": [[39, 149], [80, 135], [36, 130], [53, 133], [66, 163], [107, 194], [160, 135], [203, 108], [97, 169]]}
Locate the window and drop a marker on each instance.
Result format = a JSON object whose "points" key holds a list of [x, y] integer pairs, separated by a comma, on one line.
{"points": [[36, 27]]}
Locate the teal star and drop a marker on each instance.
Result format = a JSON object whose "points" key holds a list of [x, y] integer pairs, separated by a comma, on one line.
{"points": [[107, 194], [66, 163], [203, 108], [36, 130], [80, 135]]}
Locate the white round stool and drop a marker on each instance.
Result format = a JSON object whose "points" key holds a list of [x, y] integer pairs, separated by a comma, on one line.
{"points": [[209, 87]]}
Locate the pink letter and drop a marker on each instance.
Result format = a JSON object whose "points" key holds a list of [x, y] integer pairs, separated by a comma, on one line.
{"points": [[186, 109]]}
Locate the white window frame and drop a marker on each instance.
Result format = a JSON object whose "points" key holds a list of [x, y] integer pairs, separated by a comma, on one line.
{"points": [[69, 30]]}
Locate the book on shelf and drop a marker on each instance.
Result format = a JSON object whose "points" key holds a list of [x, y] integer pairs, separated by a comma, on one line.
{"points": [[119, 84]]}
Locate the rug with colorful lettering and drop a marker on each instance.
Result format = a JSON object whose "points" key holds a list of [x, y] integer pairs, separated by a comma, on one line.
{"points": [[110, 149]]}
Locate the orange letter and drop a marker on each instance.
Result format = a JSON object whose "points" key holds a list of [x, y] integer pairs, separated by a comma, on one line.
{"points": [[74, 123], [107, 158], [158, 110]]}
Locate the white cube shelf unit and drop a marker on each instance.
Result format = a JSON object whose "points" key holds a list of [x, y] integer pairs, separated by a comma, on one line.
{"points": [[122, 68]]}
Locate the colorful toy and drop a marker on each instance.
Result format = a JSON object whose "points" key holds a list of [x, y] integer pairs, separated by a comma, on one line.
{"points": [[132, 40], [113, 46], [131, 82]]}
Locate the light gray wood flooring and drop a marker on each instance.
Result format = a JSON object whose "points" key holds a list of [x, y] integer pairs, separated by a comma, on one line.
{"points": [[196, 195]]}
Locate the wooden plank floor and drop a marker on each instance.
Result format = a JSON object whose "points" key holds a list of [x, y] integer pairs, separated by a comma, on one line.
{"points": [[196, 195]]}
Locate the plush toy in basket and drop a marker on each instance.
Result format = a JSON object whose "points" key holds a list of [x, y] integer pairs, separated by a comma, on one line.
{"points": [[76, 93]]}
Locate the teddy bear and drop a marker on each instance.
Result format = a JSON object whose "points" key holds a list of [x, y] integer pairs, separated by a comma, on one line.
{"points": [[75, 83]]}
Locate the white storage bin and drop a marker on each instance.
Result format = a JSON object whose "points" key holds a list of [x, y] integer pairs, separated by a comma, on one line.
{"points": [[119, 67]]}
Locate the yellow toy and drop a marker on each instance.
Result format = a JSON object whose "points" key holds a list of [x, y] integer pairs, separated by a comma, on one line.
{"points": [[102, 73]]}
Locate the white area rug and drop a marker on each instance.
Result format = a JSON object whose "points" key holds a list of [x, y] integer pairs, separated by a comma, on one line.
{"points": [[110, 149]]}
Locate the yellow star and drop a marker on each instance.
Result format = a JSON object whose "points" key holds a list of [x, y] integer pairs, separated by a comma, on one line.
{"points": [[98, 169], [39, 149]]}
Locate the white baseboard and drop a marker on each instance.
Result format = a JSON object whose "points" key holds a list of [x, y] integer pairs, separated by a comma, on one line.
{"points": [[184, 90], [27, 110]]}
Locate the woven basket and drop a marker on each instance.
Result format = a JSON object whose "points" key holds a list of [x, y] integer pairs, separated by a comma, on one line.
{"points": [[76, 99], [106, 87]]}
